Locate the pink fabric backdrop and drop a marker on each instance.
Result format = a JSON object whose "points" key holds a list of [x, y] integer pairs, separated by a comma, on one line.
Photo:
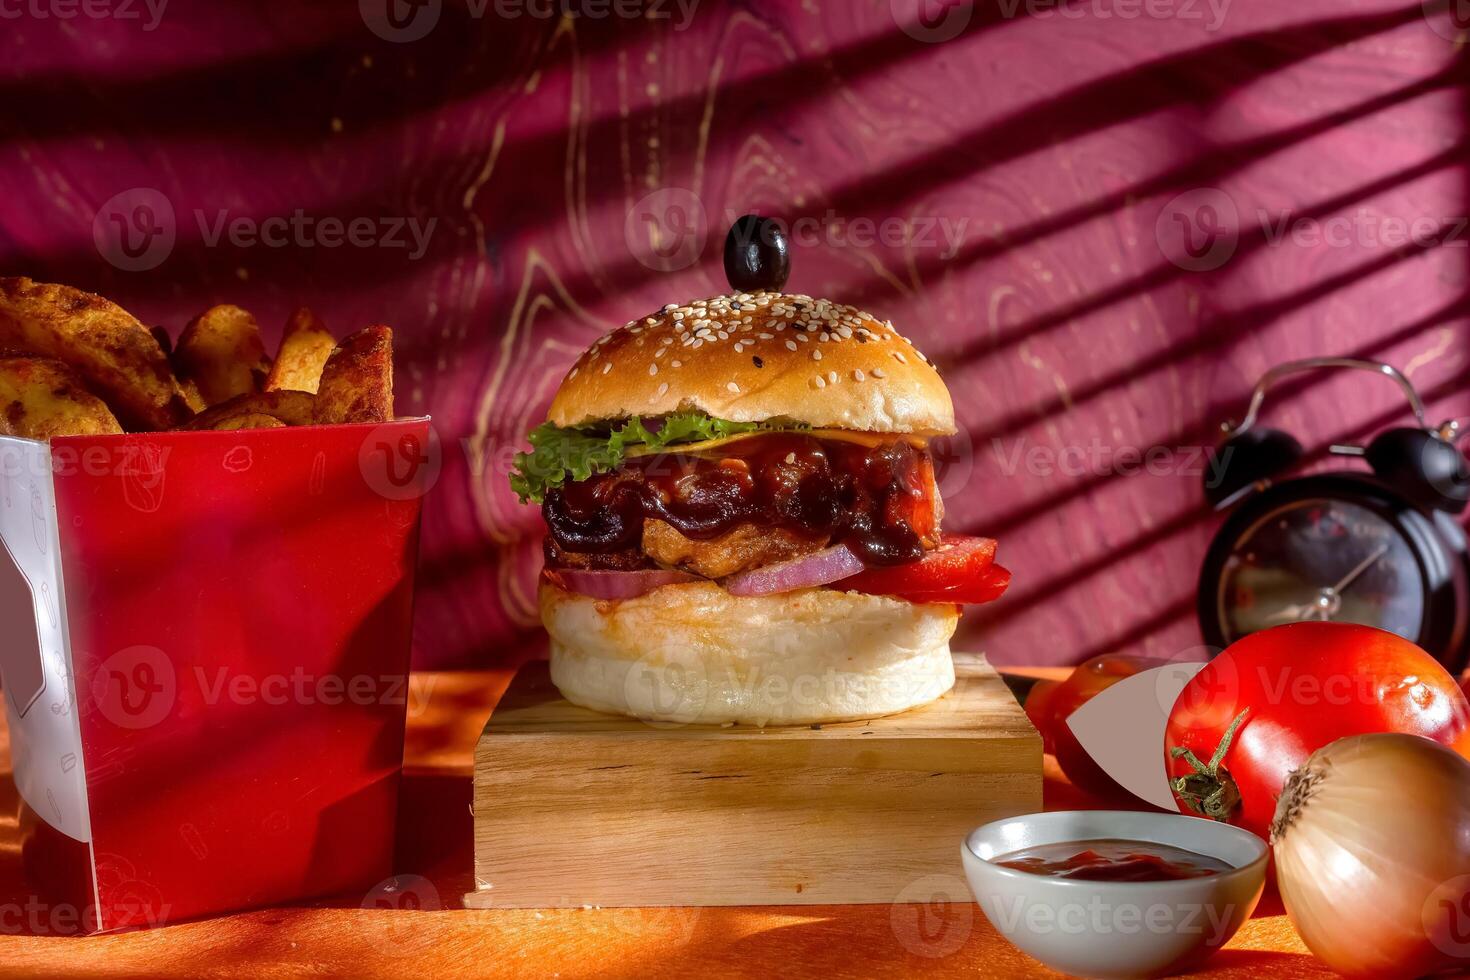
{"points": [[1066, 151]]}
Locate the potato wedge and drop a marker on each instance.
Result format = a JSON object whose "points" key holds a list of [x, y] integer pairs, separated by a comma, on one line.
{"points": [[222, 353], [250, 421], [114, 354], [192, 398], [40, 397], [357, 382], [305, 347], [288, 407]]}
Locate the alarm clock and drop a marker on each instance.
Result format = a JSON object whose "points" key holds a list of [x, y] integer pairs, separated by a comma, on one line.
{"points": [[1379, 547]]}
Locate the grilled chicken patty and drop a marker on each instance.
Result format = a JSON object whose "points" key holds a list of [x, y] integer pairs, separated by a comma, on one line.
{"points": [[743, 546]]}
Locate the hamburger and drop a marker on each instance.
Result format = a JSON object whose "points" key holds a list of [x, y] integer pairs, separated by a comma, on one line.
{"points": [[743, 519]]}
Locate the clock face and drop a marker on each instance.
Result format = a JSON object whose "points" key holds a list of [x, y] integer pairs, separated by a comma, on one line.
{"points": [[1323, 559]]}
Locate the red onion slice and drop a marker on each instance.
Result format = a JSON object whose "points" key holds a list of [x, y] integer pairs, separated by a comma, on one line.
{"points": [[603, 584], [808, 571]]}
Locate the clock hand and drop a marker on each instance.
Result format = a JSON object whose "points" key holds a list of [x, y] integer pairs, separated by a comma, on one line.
{"points": [[1293, 612], [1362, 567]]}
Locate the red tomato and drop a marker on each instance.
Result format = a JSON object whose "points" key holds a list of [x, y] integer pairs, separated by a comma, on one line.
{"points": [[1039, 709], [1085, 682], [961, 569], [1294, 689], [988, 586]]}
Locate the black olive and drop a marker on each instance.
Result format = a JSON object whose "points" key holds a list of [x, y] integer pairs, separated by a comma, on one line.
{"points": [[756, 256]]}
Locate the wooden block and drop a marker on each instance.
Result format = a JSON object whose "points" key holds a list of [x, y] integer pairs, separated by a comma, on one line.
{"points": [[574, 807]]}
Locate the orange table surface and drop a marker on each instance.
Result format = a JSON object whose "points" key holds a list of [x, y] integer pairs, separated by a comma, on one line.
{"points": [[433, 935]]}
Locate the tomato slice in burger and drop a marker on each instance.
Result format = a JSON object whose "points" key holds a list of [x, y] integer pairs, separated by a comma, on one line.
{"points": [[988, 586], [961, 569]]}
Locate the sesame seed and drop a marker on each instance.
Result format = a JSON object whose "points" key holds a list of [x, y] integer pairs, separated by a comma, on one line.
{"points": [[724, 336], [878, 373], [898, 356], [802, 337], [607, 367], [663, 388], [857, 375], [791, 345], [732, 386], [819, 382], [697, 344], [677, 364], [832, 376], [652, 369], [816, 355], [758, 362], [574, 373], [791, 457], [825, 337], [660, 352]]}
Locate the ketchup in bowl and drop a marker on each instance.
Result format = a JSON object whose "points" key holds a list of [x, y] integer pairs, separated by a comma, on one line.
{"points": [[1112, 860]]}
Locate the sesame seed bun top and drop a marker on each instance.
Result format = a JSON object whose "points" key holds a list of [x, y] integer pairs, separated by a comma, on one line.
{"points": [[750, 357]]}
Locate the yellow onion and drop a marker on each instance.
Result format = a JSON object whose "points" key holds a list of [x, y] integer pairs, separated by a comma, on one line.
{"points": [[1372, 845]]}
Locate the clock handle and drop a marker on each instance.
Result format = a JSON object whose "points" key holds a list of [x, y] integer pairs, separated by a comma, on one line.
{"points": [[1258, 394], [1422, 463]]}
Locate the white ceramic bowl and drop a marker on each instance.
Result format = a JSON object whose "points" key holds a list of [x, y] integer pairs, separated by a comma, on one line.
{"points": [[1116, 928]]}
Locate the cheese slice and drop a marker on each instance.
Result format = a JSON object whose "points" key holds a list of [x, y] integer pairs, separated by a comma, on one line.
{"points": [[868, 439]]}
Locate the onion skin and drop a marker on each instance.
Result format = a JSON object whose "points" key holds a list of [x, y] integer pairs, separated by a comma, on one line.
{"points": [[808, 571], [1372, 848]]}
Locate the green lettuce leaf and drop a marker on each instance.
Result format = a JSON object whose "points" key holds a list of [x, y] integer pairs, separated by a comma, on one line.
{"points": [[560, 455]]}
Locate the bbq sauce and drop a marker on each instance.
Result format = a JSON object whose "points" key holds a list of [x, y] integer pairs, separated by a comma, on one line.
{"points": [[879, 501], [1113, 860]]}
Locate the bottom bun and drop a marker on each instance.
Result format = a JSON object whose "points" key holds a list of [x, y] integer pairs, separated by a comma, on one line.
{"points": [[695, 654]]}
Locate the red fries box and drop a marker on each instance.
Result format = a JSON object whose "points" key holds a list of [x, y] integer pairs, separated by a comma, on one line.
{"points": [[204, 656]]}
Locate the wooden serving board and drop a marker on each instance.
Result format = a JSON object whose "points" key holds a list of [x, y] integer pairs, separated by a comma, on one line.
{"points": [[574, 807]]}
